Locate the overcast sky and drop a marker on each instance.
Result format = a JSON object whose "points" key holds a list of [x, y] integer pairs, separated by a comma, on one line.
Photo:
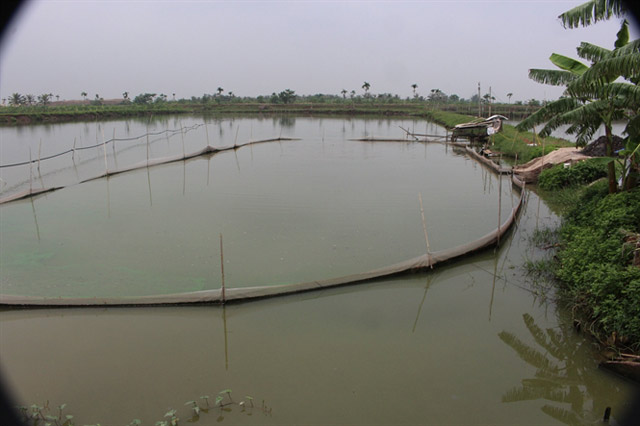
{"points": [[189, 48]]}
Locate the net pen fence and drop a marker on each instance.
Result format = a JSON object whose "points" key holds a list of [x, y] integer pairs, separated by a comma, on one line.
{"points": [[425, 262]]}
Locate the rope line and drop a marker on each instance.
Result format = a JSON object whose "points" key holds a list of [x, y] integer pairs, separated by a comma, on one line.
{"points": [[23, 163]]}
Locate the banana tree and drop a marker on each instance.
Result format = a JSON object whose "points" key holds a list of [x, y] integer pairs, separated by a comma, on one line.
{"points": [[595, 96], [591, 12]]}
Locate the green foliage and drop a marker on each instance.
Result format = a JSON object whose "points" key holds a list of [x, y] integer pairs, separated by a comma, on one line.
{"points": [[595, 269], [583, 172], [591, 12], [144, 98], [287, 96], [596, 95]]}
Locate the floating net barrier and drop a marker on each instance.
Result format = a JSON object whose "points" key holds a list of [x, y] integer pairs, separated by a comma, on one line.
{"points": [[109, 141], [35, 183], [425, 262], [207, 150]]}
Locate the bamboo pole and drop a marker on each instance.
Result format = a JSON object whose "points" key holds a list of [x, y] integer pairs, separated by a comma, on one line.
{"points": [[226, 340], [149, 183], [104, 149], [39, 153], [108, 199], [147, 146], [35, 218], [30, 172], [182, 135], [499, 205], [426, 235], [222, 269]]}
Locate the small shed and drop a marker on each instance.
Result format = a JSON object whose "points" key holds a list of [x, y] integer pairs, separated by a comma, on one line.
{"points": [[478, 130]]}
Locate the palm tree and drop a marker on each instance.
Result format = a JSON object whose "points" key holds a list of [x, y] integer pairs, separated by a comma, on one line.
{"points": [[366, 87], [593, 97], [509, 95], [414, 86], [16, 99], [488, 98], [437, 95], [84, 95], [44, 99], [344, 93], [220, 90]]}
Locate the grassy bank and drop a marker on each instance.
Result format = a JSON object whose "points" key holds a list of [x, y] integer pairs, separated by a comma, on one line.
{"points": [[58, 112], [47, 114], [523, 146], [597, 262]]}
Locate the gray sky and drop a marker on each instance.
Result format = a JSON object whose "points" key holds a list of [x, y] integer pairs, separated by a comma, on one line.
{"points": [[258, 47]]}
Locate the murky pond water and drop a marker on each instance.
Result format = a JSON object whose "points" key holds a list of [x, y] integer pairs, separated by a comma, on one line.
{"points": [[292, 211], [469, 343]]}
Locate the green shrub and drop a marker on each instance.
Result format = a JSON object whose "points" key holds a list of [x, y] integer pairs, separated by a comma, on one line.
{"points": [[595, 269], [559, 177]]}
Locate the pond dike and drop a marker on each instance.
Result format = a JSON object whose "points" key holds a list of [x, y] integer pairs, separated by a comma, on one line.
{"points": [[421, 263]]}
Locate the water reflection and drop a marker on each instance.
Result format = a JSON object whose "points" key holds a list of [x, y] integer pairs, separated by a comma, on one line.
{"points": [[573, 387], [287, 122], [430, 279]]}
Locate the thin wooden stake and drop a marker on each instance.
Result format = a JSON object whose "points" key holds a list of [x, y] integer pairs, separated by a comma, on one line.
{"points": [[424, 227], [30, 172], [222, 270], [104, 149], [226, 340], [39, 153], [182, 135], [499, 204], [147, 146], [35, 218]]}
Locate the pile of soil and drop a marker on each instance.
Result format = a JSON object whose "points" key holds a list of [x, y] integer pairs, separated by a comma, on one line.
{"points": [[598, 148], [530, 171]]}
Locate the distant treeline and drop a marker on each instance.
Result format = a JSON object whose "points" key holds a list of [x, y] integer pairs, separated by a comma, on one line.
{"points": [[21, 111]]}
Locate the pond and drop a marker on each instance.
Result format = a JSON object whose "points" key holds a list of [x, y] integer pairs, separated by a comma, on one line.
{"points": [[473, 342], [294, 211]]}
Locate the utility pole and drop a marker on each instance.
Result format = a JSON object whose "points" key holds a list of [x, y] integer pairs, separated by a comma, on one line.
{"points": [[479, 102], [489, 101]]}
